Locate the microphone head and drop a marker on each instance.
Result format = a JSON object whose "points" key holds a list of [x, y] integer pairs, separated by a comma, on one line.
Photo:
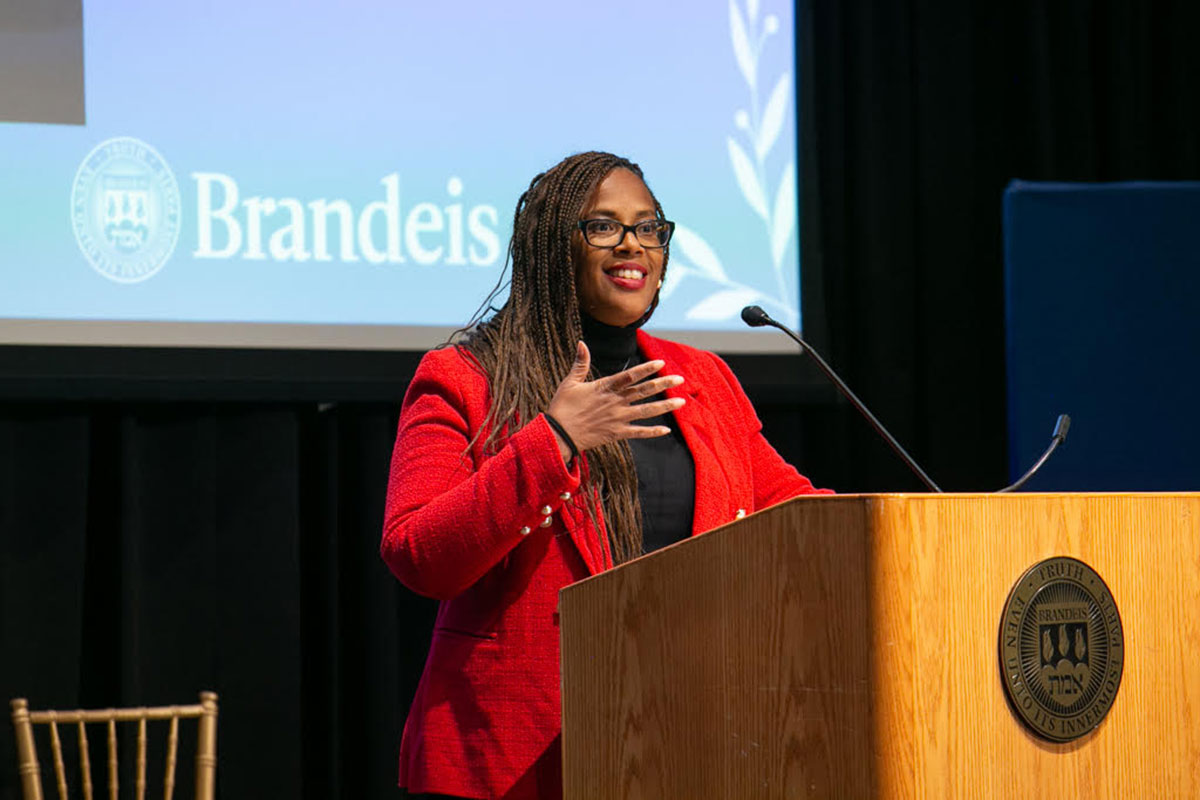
{"points": [[755, 317]]}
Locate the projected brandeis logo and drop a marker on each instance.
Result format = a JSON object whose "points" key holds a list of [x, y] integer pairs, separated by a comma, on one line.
{"points": [[125, 210]]}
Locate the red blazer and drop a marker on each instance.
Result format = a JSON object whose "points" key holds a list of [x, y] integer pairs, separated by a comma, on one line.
{"points": [[496, 538]]}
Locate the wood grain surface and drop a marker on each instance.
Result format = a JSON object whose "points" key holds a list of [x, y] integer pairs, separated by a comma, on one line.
{"points": [[847, 647]]}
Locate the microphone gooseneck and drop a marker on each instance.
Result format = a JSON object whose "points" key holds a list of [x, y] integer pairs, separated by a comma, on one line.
{"points": [[755, 317], [1058, 437]]}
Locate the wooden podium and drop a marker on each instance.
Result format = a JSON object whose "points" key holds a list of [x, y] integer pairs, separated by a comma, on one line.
{"points": [[847, 646]]}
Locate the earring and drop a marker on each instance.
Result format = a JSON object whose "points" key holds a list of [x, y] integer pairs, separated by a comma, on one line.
{"points": [[660, 284]]}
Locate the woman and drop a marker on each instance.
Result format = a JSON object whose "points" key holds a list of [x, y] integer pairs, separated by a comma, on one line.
{"points": [[556, 440]]}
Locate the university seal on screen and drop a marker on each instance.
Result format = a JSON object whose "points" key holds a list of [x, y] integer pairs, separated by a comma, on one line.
{"points": [[125, 210], [1062, 649]]}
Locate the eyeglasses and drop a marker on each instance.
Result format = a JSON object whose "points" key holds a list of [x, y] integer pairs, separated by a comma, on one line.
{"points": [[610, 233]]}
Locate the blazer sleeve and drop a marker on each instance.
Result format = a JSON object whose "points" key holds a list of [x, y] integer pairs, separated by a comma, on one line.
{"points": [[450, 516], [774, 479]]}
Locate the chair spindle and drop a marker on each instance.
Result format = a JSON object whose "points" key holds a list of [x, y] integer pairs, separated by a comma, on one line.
{"points": [[112, 759], [60, 771], [85, 762], [172, 747], [141, 760]]}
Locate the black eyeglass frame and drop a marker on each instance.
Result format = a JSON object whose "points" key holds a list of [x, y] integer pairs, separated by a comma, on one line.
{"points": [[625, 232]]}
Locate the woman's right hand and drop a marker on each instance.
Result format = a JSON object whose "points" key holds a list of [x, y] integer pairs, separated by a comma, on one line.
{"points": [[604, 410]]}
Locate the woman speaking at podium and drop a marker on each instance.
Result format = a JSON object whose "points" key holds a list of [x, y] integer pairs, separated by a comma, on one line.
{"points": [[554, 440]]}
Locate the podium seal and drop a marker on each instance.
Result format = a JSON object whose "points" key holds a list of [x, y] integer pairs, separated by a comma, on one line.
{"points": [[1062, 649]]}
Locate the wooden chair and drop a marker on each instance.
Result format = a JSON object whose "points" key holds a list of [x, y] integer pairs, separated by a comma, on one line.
{"points": [[206, 746]]}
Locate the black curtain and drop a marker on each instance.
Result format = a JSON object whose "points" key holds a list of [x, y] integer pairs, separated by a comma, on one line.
{"points": [[916, 115], [150, 550]]}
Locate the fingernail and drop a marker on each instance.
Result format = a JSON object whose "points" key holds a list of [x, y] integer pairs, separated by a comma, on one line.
{"points": [[658, 363], [676, 380]]}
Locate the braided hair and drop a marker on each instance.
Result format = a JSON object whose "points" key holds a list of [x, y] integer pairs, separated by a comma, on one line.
{"points": [[528, 345]]}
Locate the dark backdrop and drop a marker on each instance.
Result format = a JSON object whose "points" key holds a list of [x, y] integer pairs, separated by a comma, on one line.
{"points": [[227, 539]]}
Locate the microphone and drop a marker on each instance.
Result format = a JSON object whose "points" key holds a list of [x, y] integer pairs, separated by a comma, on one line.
{"points": [[755, 317], [1059, 436]]}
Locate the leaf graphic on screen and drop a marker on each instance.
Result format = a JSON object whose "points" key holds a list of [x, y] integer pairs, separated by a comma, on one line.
{"points": [[675, 274], [772, 120], [743, 170], [752, 9], [741, 43], [723, 304], [698, 253], [784, 217]]}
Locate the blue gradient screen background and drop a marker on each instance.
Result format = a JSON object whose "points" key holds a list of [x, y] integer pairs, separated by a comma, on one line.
{"points": [[458, 105]]}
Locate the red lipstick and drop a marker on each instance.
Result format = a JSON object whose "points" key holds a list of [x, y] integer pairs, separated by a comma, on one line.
{"points": [[623, 275]]}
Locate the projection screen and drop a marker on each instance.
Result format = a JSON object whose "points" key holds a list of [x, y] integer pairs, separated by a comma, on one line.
{"points": [[343, 175]]}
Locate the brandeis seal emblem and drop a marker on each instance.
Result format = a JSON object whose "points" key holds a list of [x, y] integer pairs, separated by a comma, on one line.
{"points": [[125, 210], [1062, 649]]}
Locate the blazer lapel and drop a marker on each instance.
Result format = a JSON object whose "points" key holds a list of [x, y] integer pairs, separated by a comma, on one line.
{"points": [[702, 431]]}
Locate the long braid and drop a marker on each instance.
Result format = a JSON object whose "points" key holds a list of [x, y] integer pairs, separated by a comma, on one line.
{"points": [[528, 346]]}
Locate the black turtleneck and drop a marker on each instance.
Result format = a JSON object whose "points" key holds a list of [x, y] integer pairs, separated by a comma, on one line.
{"points": [[665, 470]]}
